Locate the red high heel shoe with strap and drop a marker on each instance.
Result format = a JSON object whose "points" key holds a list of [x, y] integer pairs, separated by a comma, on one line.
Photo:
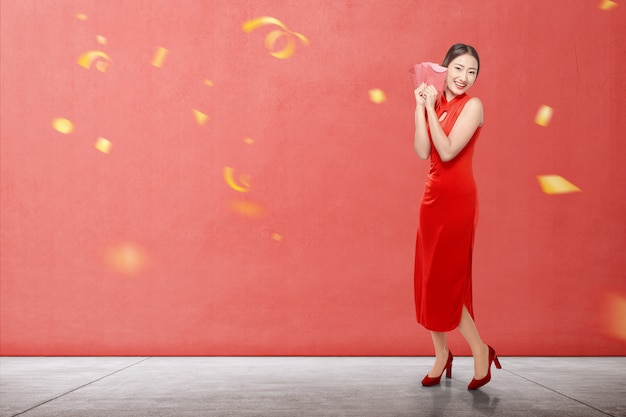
{"points": [[477, 383], [428, 381]]}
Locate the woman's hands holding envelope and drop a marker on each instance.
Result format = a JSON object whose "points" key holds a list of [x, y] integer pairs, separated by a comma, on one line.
{"points": [[430, 96], [419, 95], [426, 95]]}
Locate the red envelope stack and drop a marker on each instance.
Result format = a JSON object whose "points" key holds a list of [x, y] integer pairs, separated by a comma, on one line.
{"points": [[429, 73]]}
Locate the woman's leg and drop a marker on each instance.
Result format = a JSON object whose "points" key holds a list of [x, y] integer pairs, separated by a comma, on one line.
{"points": [[441, 353], [480, 351]]}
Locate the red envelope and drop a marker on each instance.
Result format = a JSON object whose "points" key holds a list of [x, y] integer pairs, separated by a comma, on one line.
{"points": [[429, 73]]}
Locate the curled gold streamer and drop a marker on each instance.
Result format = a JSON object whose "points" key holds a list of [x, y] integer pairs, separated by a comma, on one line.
{"points": [[89, 57], [272, 37], [250, 25], [230, 180]]}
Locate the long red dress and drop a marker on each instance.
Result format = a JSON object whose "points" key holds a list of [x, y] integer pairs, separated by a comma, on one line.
{"points": [[445, 236]]}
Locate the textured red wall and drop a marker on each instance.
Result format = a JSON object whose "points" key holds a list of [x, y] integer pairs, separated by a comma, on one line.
{"points": [[259, 204]]}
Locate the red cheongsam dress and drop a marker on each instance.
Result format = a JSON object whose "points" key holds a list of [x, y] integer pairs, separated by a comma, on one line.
{"points": [[445, 236]]}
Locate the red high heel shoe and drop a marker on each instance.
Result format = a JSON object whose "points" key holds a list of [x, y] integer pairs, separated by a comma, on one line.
{"points": [[477, 383], [428, 381]]}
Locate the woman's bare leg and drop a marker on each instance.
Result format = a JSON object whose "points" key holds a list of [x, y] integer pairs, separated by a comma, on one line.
{"points": [[441, 353], [480, 351]]}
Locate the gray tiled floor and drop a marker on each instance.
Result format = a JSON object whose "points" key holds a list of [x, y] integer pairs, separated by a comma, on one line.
{"points": [[305, 386]]}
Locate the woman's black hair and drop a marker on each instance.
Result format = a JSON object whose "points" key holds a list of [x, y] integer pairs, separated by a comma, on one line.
{"points": [[458, 50]]}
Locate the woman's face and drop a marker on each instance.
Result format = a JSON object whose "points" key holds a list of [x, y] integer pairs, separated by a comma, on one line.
{"points": [[462, 73]]}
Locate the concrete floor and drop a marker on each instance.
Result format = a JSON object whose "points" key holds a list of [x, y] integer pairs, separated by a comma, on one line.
{"points": [[305, 386]]}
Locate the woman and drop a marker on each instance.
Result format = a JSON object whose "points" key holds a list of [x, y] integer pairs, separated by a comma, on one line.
{"points": [[447, 125]]}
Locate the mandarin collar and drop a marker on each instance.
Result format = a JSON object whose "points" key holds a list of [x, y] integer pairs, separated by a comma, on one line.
{"points": [[444, 99]]}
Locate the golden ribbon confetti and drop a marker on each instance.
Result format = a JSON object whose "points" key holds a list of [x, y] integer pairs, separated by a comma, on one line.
{"points": [[607, 5], [62, 125], [615, 315], [247, 208], [159, 57], [272, 38], [556, 184], [377, 96], [544, 114], [103, 145], [87, 59], [230, 180], [125, 258], [201, 118]]}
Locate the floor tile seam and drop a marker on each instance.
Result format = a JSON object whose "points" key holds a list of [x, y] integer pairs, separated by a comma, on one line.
{"points": [[559, 393], [82, 386]]}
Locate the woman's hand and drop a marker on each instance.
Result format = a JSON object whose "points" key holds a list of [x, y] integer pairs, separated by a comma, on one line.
{"points": [[419, 95], [430, 96]]}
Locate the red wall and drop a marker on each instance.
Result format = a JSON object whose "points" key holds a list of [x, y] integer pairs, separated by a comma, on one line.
{"points": [[147, 249]]}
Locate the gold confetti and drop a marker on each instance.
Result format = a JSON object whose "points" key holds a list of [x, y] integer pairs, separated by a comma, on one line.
{"points": [[277, 237], [377, 96], [103, 145], [62, 125], [87, 59], [201, 118], [249, 141], [230, 180], [208, 83], [159, 57], [272, 37], [81, 16], [101, 40], [556, 184], [125, 258], [615, 315], [543, 116], [247, 208], [607, 5]]}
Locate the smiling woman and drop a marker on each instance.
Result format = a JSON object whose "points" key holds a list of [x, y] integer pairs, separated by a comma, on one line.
{"points": [[447, 125]]}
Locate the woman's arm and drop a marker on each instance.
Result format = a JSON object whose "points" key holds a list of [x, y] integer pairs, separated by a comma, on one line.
{"points": [[421, 142], [469, 120]]}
